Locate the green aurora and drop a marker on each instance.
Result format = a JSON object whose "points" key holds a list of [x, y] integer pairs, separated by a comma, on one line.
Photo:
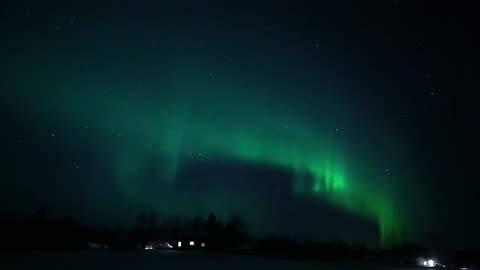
{"points": [[207, 122], [180, 110]]}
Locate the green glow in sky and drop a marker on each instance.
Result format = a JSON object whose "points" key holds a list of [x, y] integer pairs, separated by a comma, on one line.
{"points": [[197, 113]]}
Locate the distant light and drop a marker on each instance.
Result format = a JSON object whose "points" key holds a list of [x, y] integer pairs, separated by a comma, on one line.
{"points": [[202, 244], [169, 246], [179, 244], [425, 263], [191, 243]]}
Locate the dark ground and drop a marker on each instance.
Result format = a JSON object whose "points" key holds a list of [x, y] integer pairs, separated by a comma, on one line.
{"points": [[162, 260]]}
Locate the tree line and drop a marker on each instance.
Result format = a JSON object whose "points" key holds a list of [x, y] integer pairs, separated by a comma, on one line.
{"points": [[42, 231]]}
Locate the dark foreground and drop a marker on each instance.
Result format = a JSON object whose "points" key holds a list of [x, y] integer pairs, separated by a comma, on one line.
{"points": [[163, 260]]}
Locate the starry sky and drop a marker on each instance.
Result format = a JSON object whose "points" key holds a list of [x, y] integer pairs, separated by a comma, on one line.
{"points": [[316, 120]]}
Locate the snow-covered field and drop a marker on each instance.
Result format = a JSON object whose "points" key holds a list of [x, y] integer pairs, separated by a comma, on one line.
{"points": [[154, 259]]}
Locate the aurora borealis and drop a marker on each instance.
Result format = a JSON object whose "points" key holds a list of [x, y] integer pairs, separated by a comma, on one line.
{"points": [[161, 126], [164, 108]]}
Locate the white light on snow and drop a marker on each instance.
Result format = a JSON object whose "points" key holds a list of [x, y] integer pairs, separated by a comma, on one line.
{"points": [[431, 263]]}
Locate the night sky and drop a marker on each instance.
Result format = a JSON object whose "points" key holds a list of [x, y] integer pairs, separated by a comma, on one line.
{"points": [[353, 120]]}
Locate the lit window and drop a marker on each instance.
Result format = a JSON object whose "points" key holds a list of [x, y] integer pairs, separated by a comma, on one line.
{"points": [[191, 243], [202, 244], [179, 244]]}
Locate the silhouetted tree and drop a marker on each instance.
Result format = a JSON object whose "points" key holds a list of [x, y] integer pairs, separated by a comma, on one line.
{"points": [[141, 222], [152, 222], [212, 220]]}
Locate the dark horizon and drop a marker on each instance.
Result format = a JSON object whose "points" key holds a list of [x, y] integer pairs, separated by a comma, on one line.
{"points": [[325, 120]]}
